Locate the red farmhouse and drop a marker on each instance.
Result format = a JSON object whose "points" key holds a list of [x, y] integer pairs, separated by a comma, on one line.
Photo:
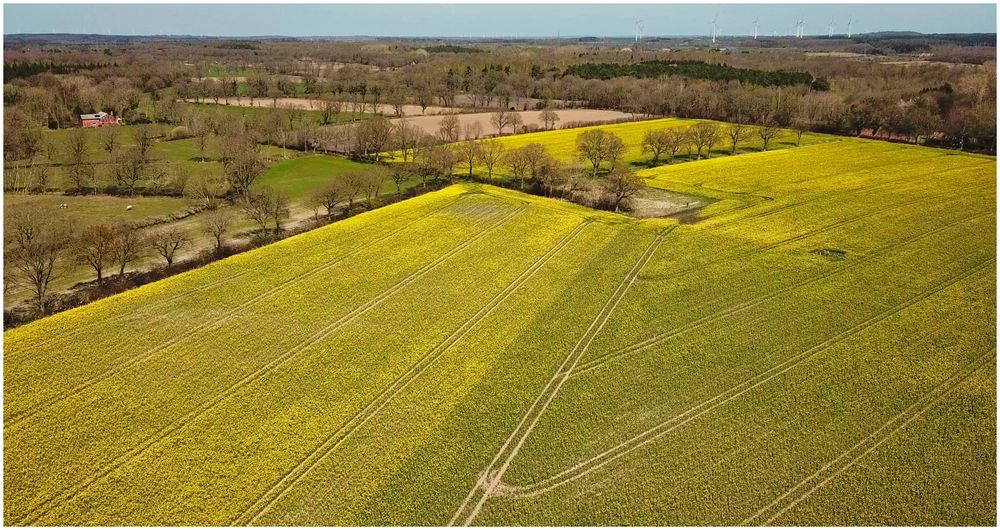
{"points": [[100, 119]]}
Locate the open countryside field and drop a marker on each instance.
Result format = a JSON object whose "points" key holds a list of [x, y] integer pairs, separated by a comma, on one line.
{"points": [[298, 177], [818, 349]]}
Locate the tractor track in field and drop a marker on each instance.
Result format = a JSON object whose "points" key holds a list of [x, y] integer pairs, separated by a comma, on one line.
{"points": [[211, 324], [752, 303], [868, 444], [819, 197], [490, 477], [128, 316], [867, 190], [793, 239], [66, 495], [277, 490], [585, 467], [76, 331]]}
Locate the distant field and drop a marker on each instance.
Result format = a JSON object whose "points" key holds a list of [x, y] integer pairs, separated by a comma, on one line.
{"points": [[299, 177], [562, 143], [89, 209], [818, 350], [431, 124], [169, 156]]}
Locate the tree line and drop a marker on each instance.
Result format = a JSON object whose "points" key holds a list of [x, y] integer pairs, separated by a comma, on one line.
{"points": [[695, 70]]}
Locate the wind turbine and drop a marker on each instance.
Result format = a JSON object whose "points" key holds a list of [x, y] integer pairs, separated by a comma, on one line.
{"points": [[849, 22], [802, 29], [755, 28], [829, 32], [715, 28], [638, 30]]}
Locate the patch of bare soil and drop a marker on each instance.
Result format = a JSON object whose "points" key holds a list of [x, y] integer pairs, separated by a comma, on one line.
{"points": [[655, 202], [430, 124]]}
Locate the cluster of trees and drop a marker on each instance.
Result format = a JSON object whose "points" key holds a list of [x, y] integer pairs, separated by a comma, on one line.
{"points": [[19, 69], [37, 246], [353, 187], [705, 136]]}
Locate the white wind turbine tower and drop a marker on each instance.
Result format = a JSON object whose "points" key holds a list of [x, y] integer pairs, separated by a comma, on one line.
{"points": [[849, 22], [715, 28], [802, 29], [829, 32], [638, 30], [755, 27]]}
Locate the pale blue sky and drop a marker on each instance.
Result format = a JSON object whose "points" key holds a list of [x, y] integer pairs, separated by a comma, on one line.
{"points": [[478, 20]]}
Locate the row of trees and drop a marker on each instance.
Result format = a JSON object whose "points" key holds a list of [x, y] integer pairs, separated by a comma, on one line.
{"points": [[39, 247]]}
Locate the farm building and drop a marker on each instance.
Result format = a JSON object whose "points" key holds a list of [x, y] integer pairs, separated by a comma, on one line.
{"points": [[99, 119]]}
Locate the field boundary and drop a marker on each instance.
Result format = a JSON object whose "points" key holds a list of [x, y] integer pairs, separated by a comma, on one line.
{"points": [[871, 442], [585, 467], [307, 464], [145, 311], [549, 392], [164, 433]]}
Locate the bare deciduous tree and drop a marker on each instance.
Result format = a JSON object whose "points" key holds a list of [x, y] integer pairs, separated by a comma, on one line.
{"points": [[78, 170], [399, 174], [501, 119], [767, 132], [468, 152], [676, 139], [597, 146], [655, 142], [373, 136], [439, 160], [372, 184], [94, 247], [549, 118], [127, 168], [405, 138], [329, 109], [354, 185], [737, 132], [217, 223], [515, 122], [206, 190], [34, 245], [168, 241], [491, 152], [704, 135], [109, 139], [329, 196], [128, 245], [241, 163], [449, 129], [143, 136], [622, 185]]}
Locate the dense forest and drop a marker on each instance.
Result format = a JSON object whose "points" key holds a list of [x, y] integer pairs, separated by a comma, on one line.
{"points": [[694, 70]]}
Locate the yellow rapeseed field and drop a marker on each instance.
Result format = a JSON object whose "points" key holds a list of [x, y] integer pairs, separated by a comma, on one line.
{"points": [[818, 349]]}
